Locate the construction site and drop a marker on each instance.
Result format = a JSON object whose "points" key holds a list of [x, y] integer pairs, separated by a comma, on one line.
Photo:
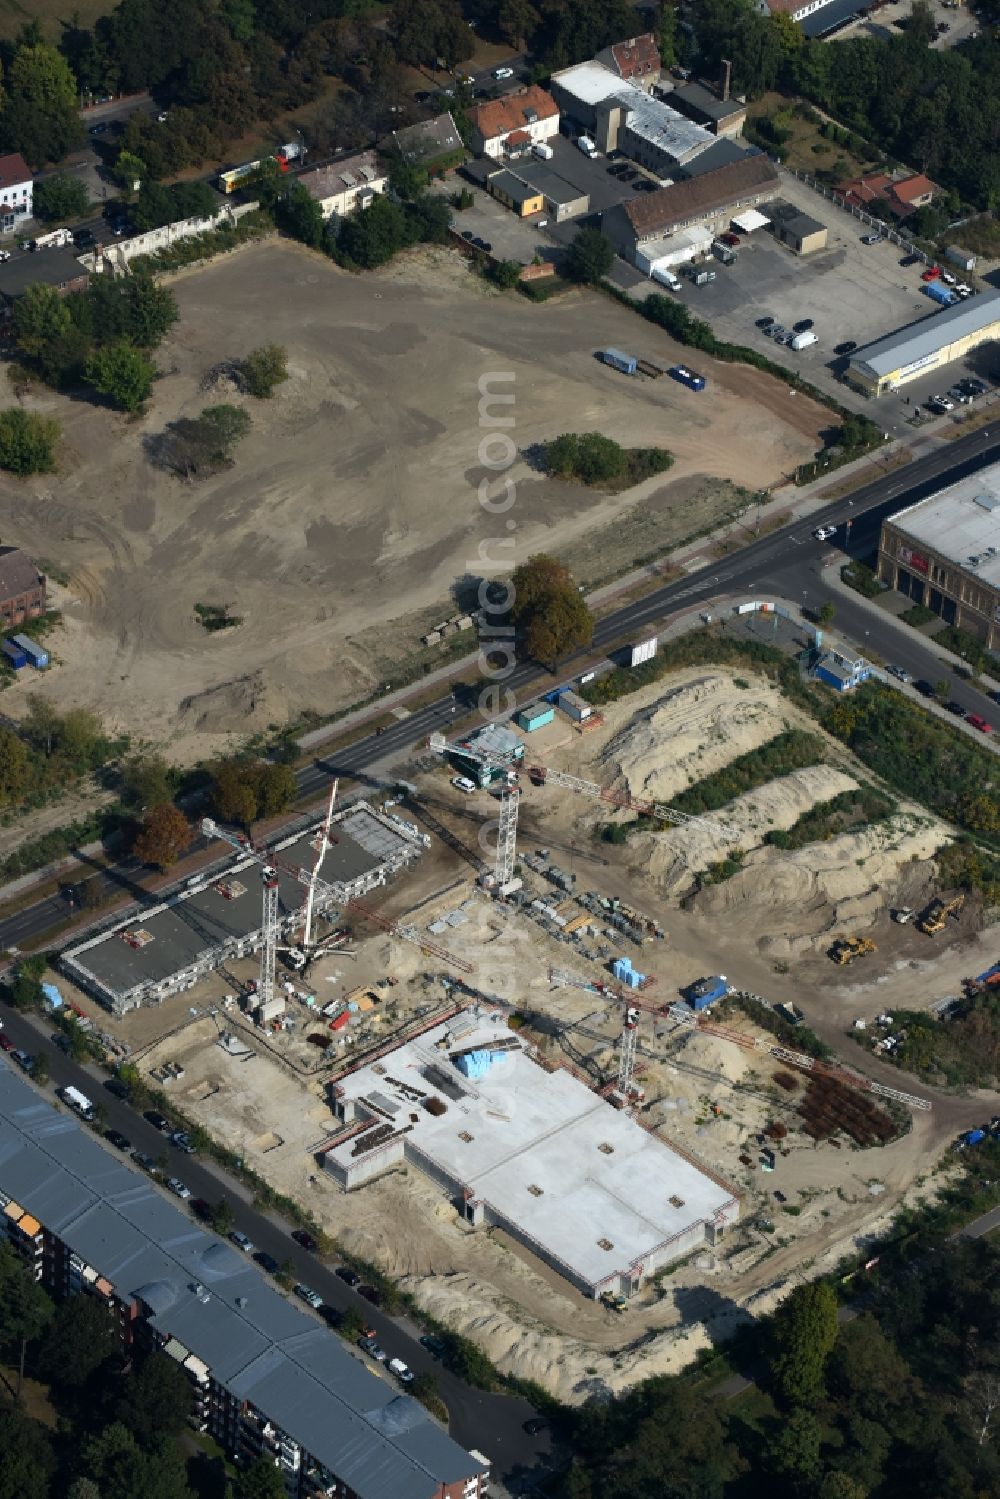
{"points": [[555, 1088]]}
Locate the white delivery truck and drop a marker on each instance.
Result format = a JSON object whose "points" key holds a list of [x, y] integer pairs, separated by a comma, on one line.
{"points": [[668, 279], [802, 341], [543, 150], [77, 1101], [586, 145]]}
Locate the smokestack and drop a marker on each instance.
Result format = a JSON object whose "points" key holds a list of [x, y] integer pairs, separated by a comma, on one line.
{"points": [[725, 81]]}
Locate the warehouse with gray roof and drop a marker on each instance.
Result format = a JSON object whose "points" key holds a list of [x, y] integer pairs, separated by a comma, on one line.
{"points": [[267, 1377], [929, 344]]}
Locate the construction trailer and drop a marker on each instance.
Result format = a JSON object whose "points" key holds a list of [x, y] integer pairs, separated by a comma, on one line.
{"points": [[37, 655], [574, 706], [535, 716], [706, 991]]}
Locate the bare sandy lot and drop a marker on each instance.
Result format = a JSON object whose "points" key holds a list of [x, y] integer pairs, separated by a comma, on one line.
{"points": [[354, 501]]}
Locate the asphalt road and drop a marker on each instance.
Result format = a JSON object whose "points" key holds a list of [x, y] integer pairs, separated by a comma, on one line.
{"points": [[787, 563], [490, 1422]]}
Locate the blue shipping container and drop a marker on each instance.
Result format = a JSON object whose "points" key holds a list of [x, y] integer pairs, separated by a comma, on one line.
{"points": [[625, 362], [938, 292], [974, 1136], [14, 655], [535, 717], [690, 378], [35, 653], [703, 993]]}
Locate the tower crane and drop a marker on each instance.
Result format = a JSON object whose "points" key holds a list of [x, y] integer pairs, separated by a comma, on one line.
{"points": [[624, 1092], [506, 849], [269, 916], [322, 845], [541, 775]]}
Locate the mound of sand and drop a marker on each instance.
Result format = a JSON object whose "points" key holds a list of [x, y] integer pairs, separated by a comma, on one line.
{"points": [[241, 704], [693, 730], [823, 888], [674, 857]]}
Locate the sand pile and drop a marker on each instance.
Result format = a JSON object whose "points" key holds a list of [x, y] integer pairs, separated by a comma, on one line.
{"points": [[691, 731], [673, 858], [823, 888]]}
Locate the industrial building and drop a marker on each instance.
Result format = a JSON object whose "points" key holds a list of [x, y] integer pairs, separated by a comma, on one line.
{"points": [[944, 553], [621, 116], [217, 917], [267, 1378], [23, 588], [799, 231], [515, 193], [537, 1153], [719, 113], [929, 344]]}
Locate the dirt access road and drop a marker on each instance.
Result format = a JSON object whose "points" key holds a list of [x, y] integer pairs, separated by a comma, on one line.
{"points": [[354, 501]]}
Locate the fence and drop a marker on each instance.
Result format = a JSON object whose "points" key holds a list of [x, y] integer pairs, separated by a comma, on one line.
{"points": [[894, 236], [117, 256]]}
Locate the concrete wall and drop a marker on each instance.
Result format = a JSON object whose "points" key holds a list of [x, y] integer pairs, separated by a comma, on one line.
{"points": [[116, 256]]}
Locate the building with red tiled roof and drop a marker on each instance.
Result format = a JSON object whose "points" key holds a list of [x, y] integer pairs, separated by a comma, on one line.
{"points": [[897, 195], [636, 61], [15, 192], [532, 116]]}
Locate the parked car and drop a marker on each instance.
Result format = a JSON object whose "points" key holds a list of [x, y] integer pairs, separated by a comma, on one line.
{"points": [[924, 687], [468, 234], [484, 244], [370, 1294], [847, 347], [309, 1296], [117, 1139], [435, 1347], [117, 1088], [823, 533], [765, 322], [348, 1276], [963, 289], [909, 260], [373, 1349], [535, 1425], [402, 1371], [267, 1262], [871, 239], [979, 722], [24, 1059], [955, 707], [501, 73], [241, 1241], [462, 783], [99, 129], [730, 239], [629, 175], [157, 1120], [6, 1044], [305, 1239], [899, 673], [803, 325], [145, 1161], [180, 1140], [178, 1188], [932, 273]]}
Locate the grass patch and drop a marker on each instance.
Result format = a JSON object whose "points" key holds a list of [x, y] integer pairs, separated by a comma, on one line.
{"points": [[962, 1051], [795, 1037], [917, 615], [849, 811], [215, 617], [800, 137], [792, 750], [969, 648], [545, 290]]}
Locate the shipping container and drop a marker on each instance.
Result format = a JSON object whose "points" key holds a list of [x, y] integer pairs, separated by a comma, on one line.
{"points": [[625, 362], [706, 991], [14, 655], [938, 292], [338, 1023], [35, 653], [536, 716], [681, 373], [574, 707]]}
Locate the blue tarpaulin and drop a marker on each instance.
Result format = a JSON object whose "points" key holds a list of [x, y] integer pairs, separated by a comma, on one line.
{"points": [[474, 1064], [52, 996]]}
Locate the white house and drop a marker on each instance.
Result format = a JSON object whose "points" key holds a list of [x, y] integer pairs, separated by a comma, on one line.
{"points": [[508, 126], [343, 186], [15, 192]]}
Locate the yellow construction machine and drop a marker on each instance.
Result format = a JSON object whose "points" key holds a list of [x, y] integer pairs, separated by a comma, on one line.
{"points": [[846, 949], [934, 918]]}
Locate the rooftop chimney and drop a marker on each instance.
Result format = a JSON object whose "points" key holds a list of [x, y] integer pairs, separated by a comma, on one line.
{"points": [[725, 82]]}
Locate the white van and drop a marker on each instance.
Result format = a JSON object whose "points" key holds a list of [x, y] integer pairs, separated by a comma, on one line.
{"points": [[462, 783], [543, 150], [668, 279], [586, 145]]}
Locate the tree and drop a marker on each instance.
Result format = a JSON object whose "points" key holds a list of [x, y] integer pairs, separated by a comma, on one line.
{"points": [[123, 373], [244, 790], [262, 1480], [60, 197], [507, 273], [146, 781], [25, 1309], [804, 1332], [13, 765], [40, 1068], [156, 1402], [41, 316], [83, 1488], [223, 1218], [549, 613], [589, 257], [129, 173], [793, 1452], [194, 448], [263, 370], [406, 180], [27, 441], [372, 238], [276, 789], [838, 1485], [29, 1461], [827, 613], [164, 836], [39, 115], [518, 20], [300, 215], [151, 311], [79, 1340], [586, 455]]}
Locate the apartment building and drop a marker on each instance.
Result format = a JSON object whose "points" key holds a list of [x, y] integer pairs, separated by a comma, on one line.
{"points": [[269, 1379]]}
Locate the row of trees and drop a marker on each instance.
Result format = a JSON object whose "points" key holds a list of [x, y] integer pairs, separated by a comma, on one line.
{"points": [[117, 1428], [895, 1404], [101, 337], [596, 459]]}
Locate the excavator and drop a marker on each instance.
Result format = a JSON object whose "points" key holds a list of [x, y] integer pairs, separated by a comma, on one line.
{"points": [[936, 915], [846, 949]]}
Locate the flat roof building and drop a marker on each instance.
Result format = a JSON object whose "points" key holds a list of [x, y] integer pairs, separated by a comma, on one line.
{"points": [[148, 956], [513, 191], [538, 1153], [534, 181], [431, 144], [944, 553], [929, 344], [266, 1375], [799, 231], [724, 117]]}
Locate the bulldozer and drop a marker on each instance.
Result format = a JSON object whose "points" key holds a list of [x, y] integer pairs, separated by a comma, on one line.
{"points": [[614, 1301], [936, 915], [846, 949]]}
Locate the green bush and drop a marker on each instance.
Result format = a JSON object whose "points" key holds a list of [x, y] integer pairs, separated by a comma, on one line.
{"points": [[792, 750], [918, 615], [27, 441], [857, 808], [862, 579]]}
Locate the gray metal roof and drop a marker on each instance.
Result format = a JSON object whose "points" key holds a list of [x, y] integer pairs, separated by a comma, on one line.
{"points": [[55, 265], [924, 338], [702, 100], [830, 16], [219, 1306], [550, 184]]}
